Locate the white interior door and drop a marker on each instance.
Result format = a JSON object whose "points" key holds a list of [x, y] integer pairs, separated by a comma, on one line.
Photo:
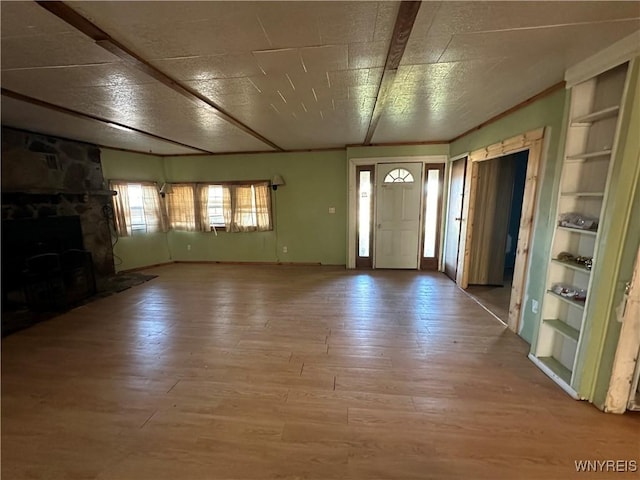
{"points": [[454, 217], [398, 203]]}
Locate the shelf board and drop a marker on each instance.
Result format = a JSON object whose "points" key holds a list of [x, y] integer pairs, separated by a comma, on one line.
{"points": [[588, 119], [557, 368], [577, 230], [583, 194], [588, 155], [563, 329], [572, 265], [573, 303]]}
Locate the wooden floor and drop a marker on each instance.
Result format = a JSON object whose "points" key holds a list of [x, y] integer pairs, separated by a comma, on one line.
{"points": [[495, 299], [239, 372]]}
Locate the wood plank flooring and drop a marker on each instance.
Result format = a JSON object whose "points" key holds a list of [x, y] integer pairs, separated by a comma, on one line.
{"points": [[278, 372]]}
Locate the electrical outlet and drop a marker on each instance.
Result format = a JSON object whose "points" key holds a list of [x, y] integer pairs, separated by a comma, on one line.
{"points": [[285, 250], [332, 209], [189, 247], [534, 306]]}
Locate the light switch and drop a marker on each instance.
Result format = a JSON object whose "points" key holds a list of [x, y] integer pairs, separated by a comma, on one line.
{"points": [[332, 209]]}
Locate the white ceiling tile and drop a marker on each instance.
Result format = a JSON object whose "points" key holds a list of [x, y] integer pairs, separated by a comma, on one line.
{"points": [[368, 55], [63, 49], [464, 62], [386, 20], [210, 66], [38, 21], [347, 22], [325, 58], [37, 119], [465, 17], [289, 24], [535, 42], [34, 80], [273, 61]]}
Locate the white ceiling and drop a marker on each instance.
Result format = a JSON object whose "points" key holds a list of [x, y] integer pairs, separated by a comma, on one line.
{"points": [[303, 75]]}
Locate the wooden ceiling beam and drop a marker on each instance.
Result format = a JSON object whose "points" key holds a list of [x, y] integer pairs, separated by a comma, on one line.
{"points": [[87, 116], [104, 40], [401, 32]]}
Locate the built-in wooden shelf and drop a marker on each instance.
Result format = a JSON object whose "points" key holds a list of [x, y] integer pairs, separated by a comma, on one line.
{"points": [[563, 329], [586, 120], [587, 155], [583, 194], [571, 265], [570, 301], [557, 368], [579, 230]]}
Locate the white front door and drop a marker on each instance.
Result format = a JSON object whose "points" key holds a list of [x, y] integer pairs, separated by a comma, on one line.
{"points": [[398, 203]]}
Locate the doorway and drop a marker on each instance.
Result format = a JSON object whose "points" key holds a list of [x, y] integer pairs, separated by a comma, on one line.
{"points": [[500, 187], [395, 223], [532, 142]]}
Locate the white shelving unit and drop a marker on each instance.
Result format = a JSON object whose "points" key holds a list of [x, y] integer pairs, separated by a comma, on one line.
{"points": [[590, 145]]}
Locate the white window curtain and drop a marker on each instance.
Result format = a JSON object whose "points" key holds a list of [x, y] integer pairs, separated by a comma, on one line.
{"points": [[154, 218], [247, 208], [181, 207], [202, 208], [122, 213]]}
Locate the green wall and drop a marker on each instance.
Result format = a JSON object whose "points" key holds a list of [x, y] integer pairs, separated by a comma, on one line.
{"points": [[398, 151], [315, 181], [546, 112], [143, 249]]}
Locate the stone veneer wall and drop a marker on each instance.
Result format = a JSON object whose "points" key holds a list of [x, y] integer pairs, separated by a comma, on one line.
{"points": [[45, 176]]}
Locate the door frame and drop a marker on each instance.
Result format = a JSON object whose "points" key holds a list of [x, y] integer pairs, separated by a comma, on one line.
{"points": [[626, 364], [352, 194], [533, 142]]}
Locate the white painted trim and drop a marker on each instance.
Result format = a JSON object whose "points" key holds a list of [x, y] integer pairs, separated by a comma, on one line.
{"points": [[352, 194], [561, 383], [612, 56]]}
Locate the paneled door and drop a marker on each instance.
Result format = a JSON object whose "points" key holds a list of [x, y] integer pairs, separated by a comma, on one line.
{"points": [[454, 217], [398, 204]]}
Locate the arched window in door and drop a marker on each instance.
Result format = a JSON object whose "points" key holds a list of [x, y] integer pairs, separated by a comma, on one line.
{"points": [[399, 175]]}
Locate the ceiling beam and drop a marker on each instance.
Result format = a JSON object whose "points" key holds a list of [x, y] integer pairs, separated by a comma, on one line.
{"points": [[401, 32], [104, 40], [87, 116]]}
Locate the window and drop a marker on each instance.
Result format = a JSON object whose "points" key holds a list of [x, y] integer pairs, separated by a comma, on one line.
{"points": [[234, 206], [431, 213], [432, 216], [399, 175], [137, 208], [215, 206], [364, 185]]}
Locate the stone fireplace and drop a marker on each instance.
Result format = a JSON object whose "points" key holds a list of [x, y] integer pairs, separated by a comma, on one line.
{"points": [[53, 200]]}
